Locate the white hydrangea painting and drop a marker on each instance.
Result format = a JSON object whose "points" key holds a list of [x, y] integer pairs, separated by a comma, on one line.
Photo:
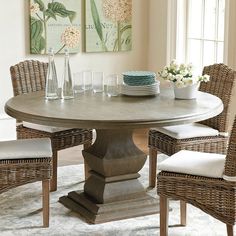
{"points": [[54, 24], [108, 26]]}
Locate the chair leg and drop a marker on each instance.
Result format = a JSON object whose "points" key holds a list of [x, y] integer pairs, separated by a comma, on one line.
{"points": [[53, 182], [183, 213], [86, 167], [152, 167], [164, 215], [86, 170], [87, 144], [45, 186], [230, 230]]}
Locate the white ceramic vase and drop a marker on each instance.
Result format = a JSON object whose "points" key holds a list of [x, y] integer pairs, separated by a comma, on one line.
{"points": [[189, 92]]}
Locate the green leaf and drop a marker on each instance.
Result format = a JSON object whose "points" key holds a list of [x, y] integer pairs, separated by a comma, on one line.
{"points": [[65, 13], [36, 27], [96, 19], [50, 13], [41, 4], [36, 39], [33, 50], [115, 45], [72, 15], [59, 9], [42, 43], [125, 28]]}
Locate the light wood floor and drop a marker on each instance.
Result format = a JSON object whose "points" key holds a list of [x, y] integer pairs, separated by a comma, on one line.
{"points": [[73, 156]]}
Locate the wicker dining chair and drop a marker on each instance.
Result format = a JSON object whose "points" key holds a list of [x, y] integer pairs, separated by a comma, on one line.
{"points": [[222, 80], [27, 161], [30, 76], [213, 190]]}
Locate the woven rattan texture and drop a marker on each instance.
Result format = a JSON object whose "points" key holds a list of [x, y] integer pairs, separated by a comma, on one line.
{"points": [[221, 84], [60, 140], [30, 76], [222, 80], [168, 145], [230, 164], [16, 172], [216, 197]]}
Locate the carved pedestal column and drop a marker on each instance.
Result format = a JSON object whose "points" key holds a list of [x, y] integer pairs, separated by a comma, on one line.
{"points": [[113, 190]]}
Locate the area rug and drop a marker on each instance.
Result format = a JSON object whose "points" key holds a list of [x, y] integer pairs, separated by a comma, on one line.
{"points": [[20, 214]]}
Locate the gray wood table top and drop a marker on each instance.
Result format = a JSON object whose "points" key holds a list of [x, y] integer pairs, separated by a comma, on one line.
{"points": [[99, 111]]}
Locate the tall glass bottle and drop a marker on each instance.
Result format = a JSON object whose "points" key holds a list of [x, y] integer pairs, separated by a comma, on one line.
{"points": [[51, 90], [67, 87]]}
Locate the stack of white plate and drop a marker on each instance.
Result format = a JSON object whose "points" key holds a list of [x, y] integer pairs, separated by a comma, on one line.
{"points": [[144, 90]]}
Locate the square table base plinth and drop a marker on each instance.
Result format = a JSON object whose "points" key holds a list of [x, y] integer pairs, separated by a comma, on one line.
{"points": [[99, 213]]}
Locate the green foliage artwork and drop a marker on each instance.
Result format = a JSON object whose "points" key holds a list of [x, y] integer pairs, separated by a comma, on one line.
{"points": [[54, 24], [108, 25]]}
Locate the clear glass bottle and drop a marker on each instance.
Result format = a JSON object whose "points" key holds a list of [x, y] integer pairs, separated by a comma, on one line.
{"points": [[67, 86], [51, 90]]}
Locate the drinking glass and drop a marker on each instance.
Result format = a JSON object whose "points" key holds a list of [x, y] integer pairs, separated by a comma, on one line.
{"points": [[78, 82], [87, 79], [112, 85], [98, 82]]}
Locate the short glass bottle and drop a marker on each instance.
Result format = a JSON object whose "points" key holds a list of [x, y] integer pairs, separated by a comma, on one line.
{"points": [[67, 86], [51, 90]]}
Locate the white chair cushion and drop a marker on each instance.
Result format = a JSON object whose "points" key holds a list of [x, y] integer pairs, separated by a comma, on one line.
{"points": [[195, 163], [25, 148], [188, 131], [49, 129]]}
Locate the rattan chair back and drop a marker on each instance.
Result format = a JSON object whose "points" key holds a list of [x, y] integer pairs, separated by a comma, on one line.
{"points": [[214, 196], [230, 164], [28, 76], [222, 80]]}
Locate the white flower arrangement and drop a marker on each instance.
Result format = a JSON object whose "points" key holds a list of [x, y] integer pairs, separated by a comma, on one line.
{"points": [[181, 75]]}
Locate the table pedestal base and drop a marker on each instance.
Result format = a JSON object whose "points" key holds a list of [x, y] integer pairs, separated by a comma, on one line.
{"points": [[113, 190], [99, 213]]}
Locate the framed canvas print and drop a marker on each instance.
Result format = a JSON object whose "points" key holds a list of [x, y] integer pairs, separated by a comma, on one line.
{"points": [[108, 26], [54, 24]]}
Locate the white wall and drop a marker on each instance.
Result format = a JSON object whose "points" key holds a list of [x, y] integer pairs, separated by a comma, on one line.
{"points": [[157, 42], [231, 50], [14, 46]]}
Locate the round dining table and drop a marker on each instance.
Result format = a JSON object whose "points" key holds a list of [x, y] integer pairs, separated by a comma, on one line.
{"points": [[113, 190]]}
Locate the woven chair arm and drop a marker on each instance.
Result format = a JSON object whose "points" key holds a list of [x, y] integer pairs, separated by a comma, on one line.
{"points": [[230, 163]]}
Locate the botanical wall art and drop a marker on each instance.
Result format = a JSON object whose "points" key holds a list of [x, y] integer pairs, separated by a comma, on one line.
{"points": [[108, 25], [56, 24]]}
